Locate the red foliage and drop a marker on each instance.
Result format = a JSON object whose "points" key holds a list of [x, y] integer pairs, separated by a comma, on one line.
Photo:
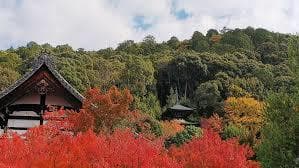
{"points": [[68, 140], [58, 119], [40, 148], [139, 122], [80, 122], [70, 120], [50, 147], [109, 108], [214, 122], [103, 112], [212, 152]]}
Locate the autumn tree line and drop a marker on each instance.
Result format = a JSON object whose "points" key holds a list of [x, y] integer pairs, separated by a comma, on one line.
{"points": [[243, 84]]}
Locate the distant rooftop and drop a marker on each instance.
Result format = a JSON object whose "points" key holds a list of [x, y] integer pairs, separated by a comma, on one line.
{"points": [[180, 107]]}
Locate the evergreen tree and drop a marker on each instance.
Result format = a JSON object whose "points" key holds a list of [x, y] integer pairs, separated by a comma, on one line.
{"points": [[278, 147]]}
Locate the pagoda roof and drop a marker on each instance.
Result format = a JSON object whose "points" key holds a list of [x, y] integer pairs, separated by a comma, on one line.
{"points": [[43, 60], [184, 122], [180, 107]]}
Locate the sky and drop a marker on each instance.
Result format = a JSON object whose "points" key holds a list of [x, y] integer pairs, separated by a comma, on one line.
{"points": [[97, 24]]}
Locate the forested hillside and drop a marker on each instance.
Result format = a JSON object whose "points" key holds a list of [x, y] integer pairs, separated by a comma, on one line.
{"points": [[204, 70], [242, 83]]}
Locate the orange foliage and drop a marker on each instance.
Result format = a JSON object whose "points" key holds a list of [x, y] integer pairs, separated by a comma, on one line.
{"points": [[170, 128], [214, 122], [109, 108]]}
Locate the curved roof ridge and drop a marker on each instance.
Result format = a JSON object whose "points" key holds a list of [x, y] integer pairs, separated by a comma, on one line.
{"points": [[43, 59], [180, 107]]}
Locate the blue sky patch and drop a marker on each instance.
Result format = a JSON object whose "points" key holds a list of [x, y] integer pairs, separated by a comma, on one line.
{"points": [[180, 14], [139, 22]]}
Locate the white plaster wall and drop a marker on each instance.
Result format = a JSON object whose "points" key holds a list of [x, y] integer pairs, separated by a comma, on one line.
{"points": [[24, 113], [57, 100], [50, 100], [29, 99], [22, 123]]}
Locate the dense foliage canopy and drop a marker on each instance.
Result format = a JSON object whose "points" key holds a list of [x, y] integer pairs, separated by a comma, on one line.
{"points": [[205, 70], [69, 140], [243, 84]]}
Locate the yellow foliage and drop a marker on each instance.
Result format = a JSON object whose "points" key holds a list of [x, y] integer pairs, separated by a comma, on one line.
{"points": [[245, 112], [170, 128]]}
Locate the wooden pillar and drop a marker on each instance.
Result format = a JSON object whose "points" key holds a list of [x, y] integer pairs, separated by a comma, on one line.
{"points": [[42, 90], [43, 108], [6, 119]]}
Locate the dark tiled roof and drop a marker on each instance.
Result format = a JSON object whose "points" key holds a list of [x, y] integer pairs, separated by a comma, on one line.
{"points": [[43, 60], [180, 107]]}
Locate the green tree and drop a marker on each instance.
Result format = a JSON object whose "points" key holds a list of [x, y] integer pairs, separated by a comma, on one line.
{"points": [[10, 60], [27, 54], [149, 45], [211, 32], [268, 48], [148, 104], [249, 31], [234, 131], [8, 76], [238, 39], [199, 42], [207, 96], [172, 98], [221, 48], [138, 76], [278, 147], [130, 47], [173, 42], [260, 36]]}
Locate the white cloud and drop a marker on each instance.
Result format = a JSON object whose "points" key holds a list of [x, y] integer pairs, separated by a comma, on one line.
{"points": [[95, 24]]}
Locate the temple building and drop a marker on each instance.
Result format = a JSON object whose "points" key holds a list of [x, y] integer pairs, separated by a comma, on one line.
{"points": [[177, 112], [23, 104]]}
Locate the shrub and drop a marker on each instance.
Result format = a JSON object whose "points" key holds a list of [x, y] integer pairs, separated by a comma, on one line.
{"points": [[214, 122], [48, 147], [210, 151], [180, 138], [170, 128], [41, 147], [233, 131]]}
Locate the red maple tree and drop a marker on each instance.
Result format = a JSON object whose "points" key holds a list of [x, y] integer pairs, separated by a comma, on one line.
{"points": [[210, 151], [68, 140]]}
